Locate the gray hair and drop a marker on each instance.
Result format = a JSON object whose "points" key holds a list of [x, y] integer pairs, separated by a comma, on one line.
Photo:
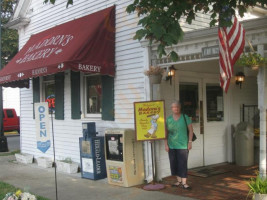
{"points": [[177, 103]]}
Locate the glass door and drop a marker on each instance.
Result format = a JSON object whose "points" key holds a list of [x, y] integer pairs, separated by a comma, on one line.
{"points": [[191, 98], [215, 145]]}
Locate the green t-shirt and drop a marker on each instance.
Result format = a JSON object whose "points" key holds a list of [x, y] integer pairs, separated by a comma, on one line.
{"points": [[177, 132]]}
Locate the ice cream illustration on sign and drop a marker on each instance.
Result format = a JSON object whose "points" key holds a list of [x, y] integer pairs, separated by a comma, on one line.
{"points": [[154, 126]]}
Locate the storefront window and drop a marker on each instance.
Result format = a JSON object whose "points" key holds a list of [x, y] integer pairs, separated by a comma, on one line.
{"points": [[189, 100], [93, 95], [214, 103], [49, 92]]}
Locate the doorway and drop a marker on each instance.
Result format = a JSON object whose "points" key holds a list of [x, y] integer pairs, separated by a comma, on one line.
{"points": [[203, 100]]}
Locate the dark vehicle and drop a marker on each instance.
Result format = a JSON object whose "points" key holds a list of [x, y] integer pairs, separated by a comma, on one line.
{"points": [[11, 120]]}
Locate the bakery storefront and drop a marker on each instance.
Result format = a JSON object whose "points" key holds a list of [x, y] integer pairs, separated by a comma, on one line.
{"points": [[82, 46]]}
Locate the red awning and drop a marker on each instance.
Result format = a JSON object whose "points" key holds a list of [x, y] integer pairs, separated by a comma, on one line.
{"points": [[86, 44]]}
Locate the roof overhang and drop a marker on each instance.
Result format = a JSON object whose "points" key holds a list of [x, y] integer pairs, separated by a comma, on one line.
{"points": [[17, 23]]}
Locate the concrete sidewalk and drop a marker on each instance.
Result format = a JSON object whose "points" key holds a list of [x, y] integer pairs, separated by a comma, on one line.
{"points": [[70, 187]]}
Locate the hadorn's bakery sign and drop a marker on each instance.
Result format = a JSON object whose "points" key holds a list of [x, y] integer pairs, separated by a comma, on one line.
{"points": [[86, 44], [44, 49]]}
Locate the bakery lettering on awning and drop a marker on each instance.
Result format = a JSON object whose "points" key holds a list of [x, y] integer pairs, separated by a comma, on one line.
{"points": [[39, 71], [89, 68], [35, 52]]}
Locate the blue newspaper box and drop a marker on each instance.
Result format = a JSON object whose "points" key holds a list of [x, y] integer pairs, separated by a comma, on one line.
{"points": [[89, 130], [93, 164]]}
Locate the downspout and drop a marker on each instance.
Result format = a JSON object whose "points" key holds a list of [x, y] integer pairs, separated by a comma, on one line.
{"points": [[147, 97]]}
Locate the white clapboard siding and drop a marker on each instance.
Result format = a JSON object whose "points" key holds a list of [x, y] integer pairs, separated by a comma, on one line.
{"points": [[248, 95]]}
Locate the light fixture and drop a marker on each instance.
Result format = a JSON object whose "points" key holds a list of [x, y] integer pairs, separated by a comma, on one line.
{"points": [[170, 73], [239, 78]]}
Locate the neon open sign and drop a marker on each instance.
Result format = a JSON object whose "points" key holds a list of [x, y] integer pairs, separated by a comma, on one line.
{"points": [[51, 103]]}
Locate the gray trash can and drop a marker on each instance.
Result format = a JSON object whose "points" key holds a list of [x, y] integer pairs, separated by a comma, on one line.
{"points": [[244, 144]]}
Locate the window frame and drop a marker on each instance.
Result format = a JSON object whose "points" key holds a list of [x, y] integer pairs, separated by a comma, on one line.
{"points": [[10, 111], [86, 115], [42, 88], [198, 100], [211, 83]]}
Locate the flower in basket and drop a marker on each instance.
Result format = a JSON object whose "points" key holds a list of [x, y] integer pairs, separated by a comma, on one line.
{"points": [[19, 196], [18, 193], [252, 59], [27, 196], [10, 196], [154, 70]]}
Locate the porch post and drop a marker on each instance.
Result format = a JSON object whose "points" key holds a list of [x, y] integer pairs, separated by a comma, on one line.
{"points": [[262, 96]]}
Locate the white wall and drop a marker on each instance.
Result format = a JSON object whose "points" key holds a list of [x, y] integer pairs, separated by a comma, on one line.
{"points": [[248, 95]]}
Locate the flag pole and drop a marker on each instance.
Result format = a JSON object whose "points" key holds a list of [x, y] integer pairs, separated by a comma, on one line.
{"points": [[54, 151]]}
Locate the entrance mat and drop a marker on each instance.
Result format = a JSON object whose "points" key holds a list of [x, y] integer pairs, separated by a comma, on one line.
{"points": [[206, 171]]}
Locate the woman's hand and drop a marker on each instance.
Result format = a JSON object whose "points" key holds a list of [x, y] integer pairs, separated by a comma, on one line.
{"points": [[166, 145], [167, 148], [189, 146]]}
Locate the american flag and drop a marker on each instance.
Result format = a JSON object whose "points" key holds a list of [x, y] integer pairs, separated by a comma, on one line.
{"points": [[231, 45]]}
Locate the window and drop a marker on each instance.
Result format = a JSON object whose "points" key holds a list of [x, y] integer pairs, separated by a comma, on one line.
{"points": [[93, 95], [9, 113], [215, 108], [49, 92], [189, 100]]}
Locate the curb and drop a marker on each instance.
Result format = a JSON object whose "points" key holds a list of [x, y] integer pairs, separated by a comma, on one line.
{"points": [[12, 135]]}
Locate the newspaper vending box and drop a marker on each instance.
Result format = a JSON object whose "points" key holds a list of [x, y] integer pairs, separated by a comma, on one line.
{"points": [[92, 153], [124, 158]]}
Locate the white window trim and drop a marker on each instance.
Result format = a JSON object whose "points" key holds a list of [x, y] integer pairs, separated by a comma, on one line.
{"points": [[42, 92], [84, 99], [206, 111], [42, 89]]}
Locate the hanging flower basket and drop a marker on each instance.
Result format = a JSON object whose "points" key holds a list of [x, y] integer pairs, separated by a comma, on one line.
{"points": [[252, 60], [255, 67], [155, 74], [155, 79]]}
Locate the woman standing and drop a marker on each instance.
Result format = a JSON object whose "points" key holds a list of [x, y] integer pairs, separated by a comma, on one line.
{"points": [[178, 144]]}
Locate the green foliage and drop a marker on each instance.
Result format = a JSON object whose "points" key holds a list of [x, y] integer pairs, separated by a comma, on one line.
{"points": [[69, 2], [258, 185], [160, 20], [251, 60], [6, 188], [9, 40]]}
